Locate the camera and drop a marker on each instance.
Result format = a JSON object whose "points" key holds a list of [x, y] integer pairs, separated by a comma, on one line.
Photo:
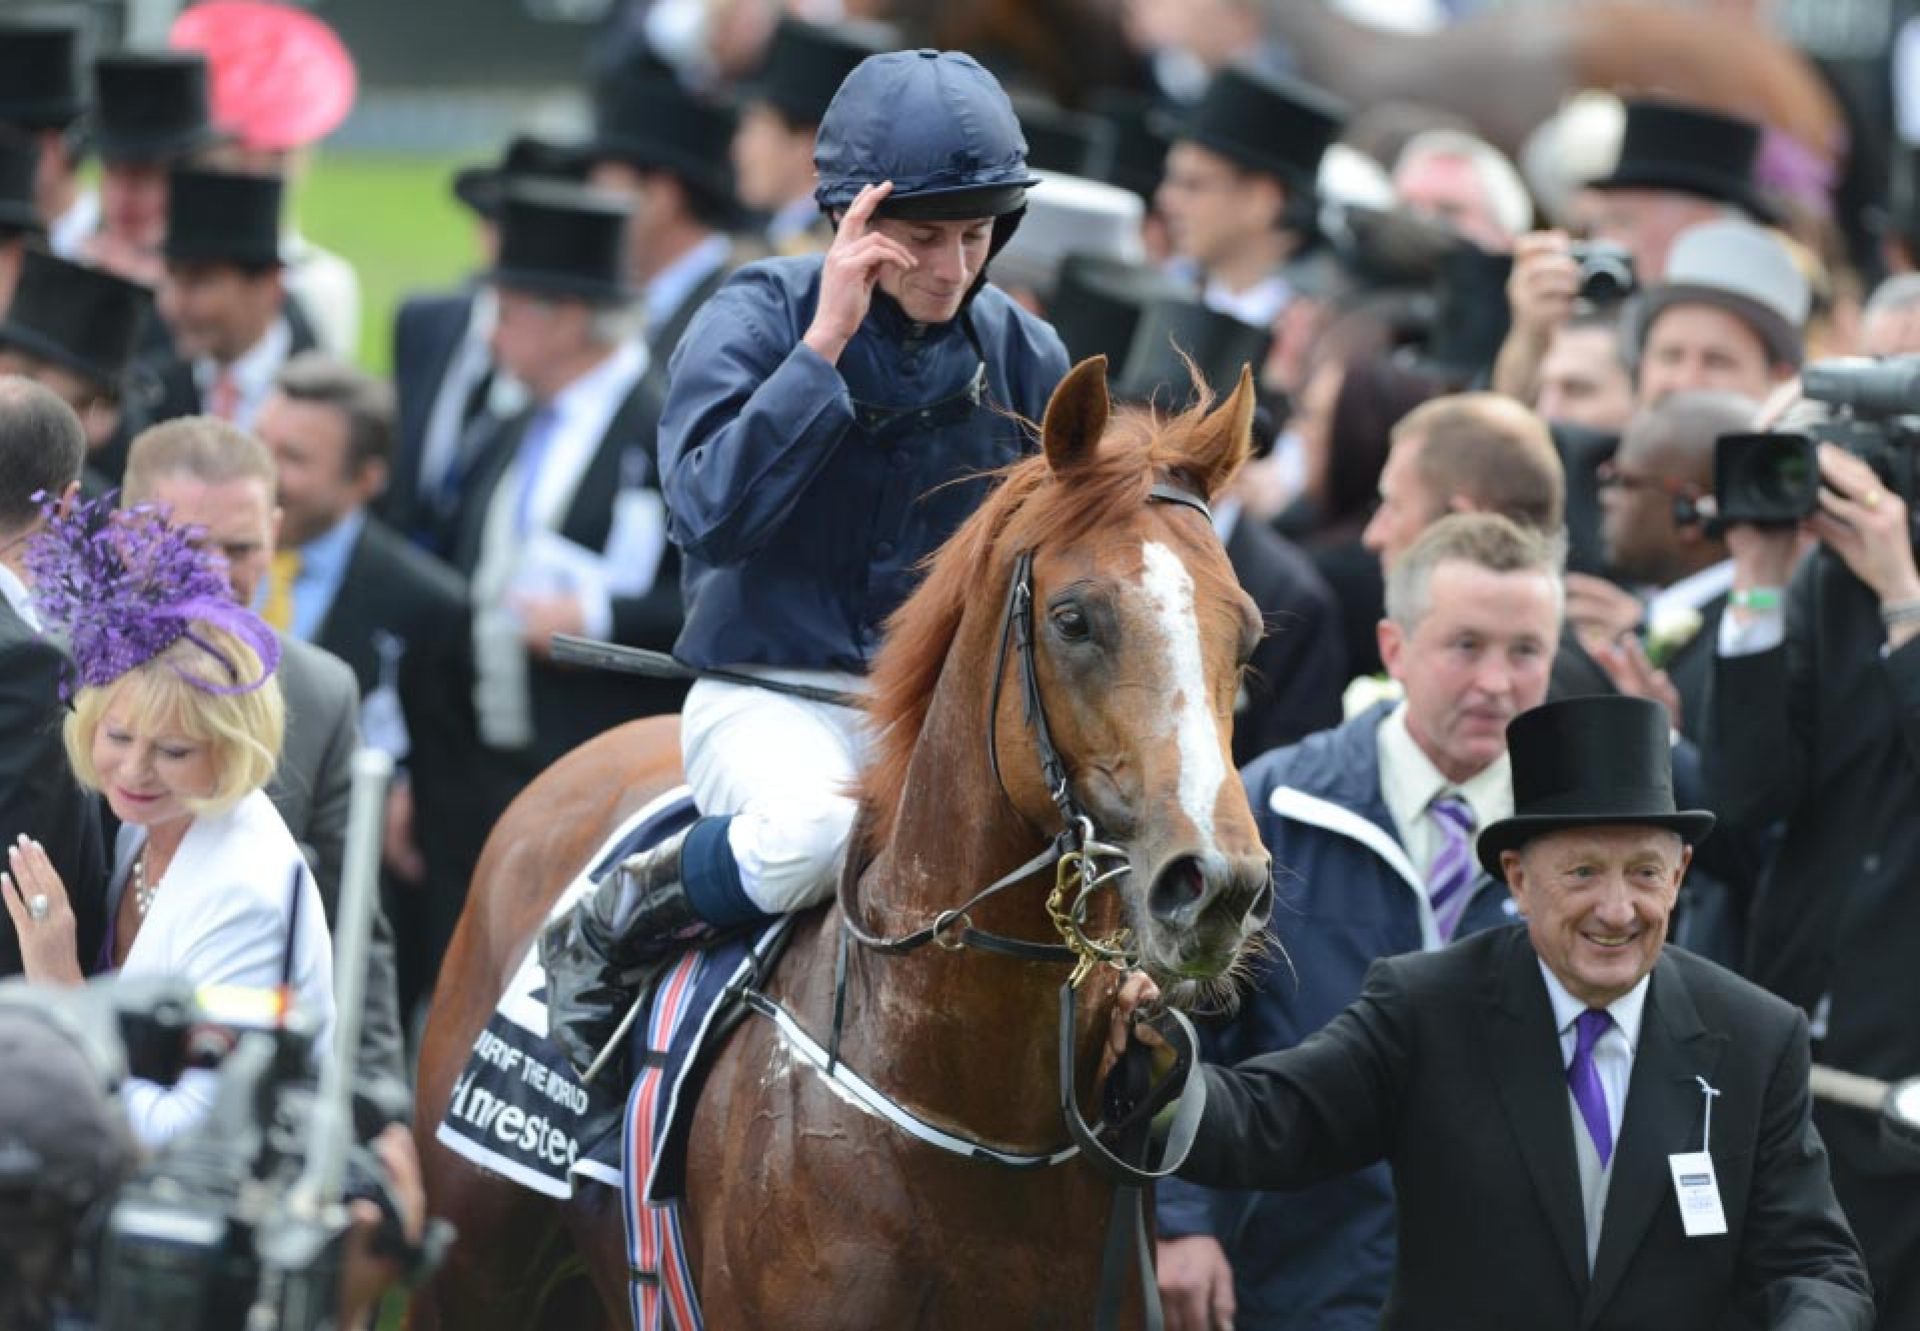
{"points": [[214, 1233], [1773, 480], [1606, 271]]}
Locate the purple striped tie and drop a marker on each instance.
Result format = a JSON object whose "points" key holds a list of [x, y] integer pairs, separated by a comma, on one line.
{"points": [[1453, 869], [1583, 1079]]}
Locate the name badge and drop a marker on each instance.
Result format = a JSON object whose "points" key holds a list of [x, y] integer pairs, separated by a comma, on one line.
{"points": [[1698, 1193]]}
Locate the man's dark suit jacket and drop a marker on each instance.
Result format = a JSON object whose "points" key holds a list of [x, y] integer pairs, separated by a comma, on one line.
{"points": [[1299, 670], [571, 705], [179, 393], [391, 586], [427, 332], [38, 794], [1449, 1068]]}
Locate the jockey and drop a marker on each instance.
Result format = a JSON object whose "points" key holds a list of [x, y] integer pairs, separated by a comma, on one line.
{"points": [[826, 426]]}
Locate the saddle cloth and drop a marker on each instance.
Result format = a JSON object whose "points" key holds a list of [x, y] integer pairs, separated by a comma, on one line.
{"points": [[518, 1108]]}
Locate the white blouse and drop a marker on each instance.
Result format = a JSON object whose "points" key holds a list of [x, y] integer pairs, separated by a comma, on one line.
{"points": [[219, 916]]}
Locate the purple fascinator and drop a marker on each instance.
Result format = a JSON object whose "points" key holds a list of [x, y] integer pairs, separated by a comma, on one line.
{"points": [[124, 586]]}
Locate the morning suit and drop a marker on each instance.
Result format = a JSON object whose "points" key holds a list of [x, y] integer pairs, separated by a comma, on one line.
{"points": [[220, 915], [570, 706], [1299, 670], [38, 793], [310, 790], [1449, 1068], [427, 335]]}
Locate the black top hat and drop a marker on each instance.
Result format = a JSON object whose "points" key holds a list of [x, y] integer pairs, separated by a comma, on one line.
{"points": [[82, 318], [1670, 146], [1264, 123], [524, 158], [1590, 762], [1218, 344], [223, 217], [562, 240], [653, 123], [19, 159], [807, 62], [1139, 145], [151, 106], [1071, 142], [1098, 301], [39, 79]]}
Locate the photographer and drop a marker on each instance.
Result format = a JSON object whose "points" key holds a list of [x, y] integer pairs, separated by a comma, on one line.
{"points": [[1679, 166], [1814, 722], [67, 1157]]}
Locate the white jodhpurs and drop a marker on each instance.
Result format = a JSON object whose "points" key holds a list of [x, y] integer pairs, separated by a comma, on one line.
{"points": [[784, 768]]}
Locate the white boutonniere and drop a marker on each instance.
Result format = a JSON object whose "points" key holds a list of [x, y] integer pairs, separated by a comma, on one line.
{"points": [[1673, 628], [1365, 691]]}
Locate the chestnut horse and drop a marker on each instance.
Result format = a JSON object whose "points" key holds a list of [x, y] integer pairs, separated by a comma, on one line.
{"points": [[805, 1210]]}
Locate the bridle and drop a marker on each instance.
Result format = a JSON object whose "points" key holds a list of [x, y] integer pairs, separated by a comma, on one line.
{"points": [[1083, 864]]}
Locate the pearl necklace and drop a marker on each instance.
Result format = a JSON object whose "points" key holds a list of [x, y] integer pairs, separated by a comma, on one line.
{"points": [[142, 890]]}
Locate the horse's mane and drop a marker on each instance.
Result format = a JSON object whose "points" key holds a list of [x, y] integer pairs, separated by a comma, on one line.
{"points": [[1027, 505]]}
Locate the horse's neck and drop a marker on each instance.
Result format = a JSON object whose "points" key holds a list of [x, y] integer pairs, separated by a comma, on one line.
{"points": [[969, 1037]]}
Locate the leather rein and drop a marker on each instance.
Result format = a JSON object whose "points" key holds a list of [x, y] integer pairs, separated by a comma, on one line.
{"points": [[1083, 865]]}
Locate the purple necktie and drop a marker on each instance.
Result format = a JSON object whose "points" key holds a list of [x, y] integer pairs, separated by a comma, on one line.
{"points": [[1453, 868], [1583, 1079]]}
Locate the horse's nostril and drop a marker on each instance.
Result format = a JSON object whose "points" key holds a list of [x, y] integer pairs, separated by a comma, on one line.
{"points": [[1178, 891]]}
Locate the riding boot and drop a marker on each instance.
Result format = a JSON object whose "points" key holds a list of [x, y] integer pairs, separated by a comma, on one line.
{"points": [[599, 955]]}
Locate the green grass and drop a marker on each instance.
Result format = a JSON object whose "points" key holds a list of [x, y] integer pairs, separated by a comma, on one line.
{"points": [[395, 219]]}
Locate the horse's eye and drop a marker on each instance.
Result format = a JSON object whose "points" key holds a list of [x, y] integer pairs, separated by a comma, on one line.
{"points": [[1070, 622]]}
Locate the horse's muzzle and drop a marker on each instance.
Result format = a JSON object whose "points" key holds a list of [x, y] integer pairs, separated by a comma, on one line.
{"points": [[1212, 892]]}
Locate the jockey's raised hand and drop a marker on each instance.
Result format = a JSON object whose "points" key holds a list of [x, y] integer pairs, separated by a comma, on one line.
{"points": [[858, 253]]}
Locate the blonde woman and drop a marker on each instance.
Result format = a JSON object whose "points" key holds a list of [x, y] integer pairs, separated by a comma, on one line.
{"points": [[177, 724]]}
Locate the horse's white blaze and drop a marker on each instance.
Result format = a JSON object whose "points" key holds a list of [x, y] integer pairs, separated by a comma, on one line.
{"points": [[1203, 769]]}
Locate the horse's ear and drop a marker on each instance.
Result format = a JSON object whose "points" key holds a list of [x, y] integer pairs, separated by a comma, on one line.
{"points": [[1221, 443], [1077, 416]]}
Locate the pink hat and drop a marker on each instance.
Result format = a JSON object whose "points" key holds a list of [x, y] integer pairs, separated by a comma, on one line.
{"points": [[281, 78]]}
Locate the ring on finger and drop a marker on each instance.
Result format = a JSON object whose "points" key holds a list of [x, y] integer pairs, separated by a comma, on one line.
{"points": [[1871, 499], [38, 906]]}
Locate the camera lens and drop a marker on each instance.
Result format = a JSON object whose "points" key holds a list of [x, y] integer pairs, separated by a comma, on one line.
{"points": [[1765, 479]]}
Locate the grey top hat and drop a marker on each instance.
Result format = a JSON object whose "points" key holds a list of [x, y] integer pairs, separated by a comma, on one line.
{"points": [[1741, 268]]}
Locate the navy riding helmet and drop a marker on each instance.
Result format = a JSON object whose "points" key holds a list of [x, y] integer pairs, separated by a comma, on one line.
{"points": [[939, 127]]}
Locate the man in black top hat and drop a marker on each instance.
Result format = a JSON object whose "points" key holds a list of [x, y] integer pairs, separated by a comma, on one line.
{"points": [[1496, 1077], [667, 152], [561, 526], [223, 298], [780, 112], [150, 115], [76, 330], [1679, 166], [40, 97], [1238, 190], [443, 372]]}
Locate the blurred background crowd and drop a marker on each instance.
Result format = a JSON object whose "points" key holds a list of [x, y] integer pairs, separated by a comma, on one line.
{"points": [[1527, 257]]}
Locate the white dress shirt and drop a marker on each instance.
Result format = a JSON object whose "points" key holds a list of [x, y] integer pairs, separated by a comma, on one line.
{"points": [[1613, 1052], [1259, 304], [447, 422], [18, 597], [1409, 782], [253, 373]]}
